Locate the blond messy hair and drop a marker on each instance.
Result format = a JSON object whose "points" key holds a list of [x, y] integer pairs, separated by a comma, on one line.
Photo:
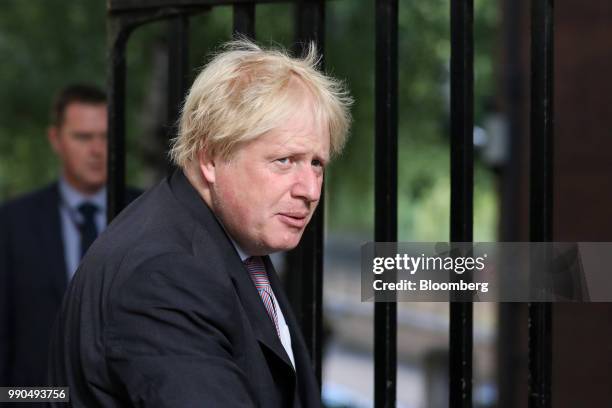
{"points": [[245, 91]]}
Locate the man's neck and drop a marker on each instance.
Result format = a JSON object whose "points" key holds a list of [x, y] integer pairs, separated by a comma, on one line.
{"points": [[87, 191], [197, 181], [73, 196]]}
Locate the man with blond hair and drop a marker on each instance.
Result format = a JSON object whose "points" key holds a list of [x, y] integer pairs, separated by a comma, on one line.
{"points": [[177, 303]]}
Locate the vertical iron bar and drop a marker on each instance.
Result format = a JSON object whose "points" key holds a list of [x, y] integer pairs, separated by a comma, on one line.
{"points": [[541, 192], [310, 24], [178, 69], [508, 340], [385, 191], [117, 39], [306, 261], [244, 19], [462, 187]]}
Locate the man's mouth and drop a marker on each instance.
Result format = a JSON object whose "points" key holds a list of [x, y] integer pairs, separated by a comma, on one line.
{"points": [[294, 219]]}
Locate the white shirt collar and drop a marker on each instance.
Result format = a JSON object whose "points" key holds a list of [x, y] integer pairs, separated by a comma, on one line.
{"points": [[243, 255], [73, 198]]}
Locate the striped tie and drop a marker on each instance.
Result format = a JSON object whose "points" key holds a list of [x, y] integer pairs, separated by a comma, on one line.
{"points": [[257, 270]]}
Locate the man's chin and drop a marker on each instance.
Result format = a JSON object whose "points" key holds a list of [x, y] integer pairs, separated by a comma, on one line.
{"points": [[287, 244], [95, 184]]}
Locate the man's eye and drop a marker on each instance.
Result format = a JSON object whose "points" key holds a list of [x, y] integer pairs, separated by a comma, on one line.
{"points": [[317, 163], [283, 160], [82, 136]]}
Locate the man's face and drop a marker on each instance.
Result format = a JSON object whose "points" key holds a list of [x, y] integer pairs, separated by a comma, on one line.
{"points": [[267, 192], [80, 143]]}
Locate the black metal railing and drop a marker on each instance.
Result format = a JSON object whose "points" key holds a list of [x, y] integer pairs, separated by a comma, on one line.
{"points": [[306, 262], [541, 193], [178, 70], [244, 20], [385, 192], [462, 191]]}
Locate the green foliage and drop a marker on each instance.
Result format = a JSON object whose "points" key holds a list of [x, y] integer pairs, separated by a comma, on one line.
{"points": [[43, 44]]}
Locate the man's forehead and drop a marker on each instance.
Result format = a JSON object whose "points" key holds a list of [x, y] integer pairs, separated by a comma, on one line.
{"points": [[77, 109], [283, 140], [78, 105], [84, 115], [295, 126]]}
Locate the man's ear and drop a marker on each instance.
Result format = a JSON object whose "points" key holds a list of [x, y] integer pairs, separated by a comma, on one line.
{"points": [[206, 163], [53, 137]]}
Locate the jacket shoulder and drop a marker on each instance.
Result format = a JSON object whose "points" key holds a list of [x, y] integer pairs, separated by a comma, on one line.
{"points": [[27, 202]]}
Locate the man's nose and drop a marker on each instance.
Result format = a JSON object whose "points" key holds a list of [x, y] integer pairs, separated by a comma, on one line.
{"points": [[99, 145], [307, 184]]}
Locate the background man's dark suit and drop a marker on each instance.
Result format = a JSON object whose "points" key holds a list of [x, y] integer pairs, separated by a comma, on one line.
{"points": [[33, 278], [166, 315]]}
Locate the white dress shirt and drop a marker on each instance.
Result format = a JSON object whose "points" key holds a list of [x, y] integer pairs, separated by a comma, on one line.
{"points": [[71, 218]]}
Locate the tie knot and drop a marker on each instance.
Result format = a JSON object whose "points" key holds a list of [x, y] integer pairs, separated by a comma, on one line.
{"points": [[254, 262], [257, 270], [88, 210]]}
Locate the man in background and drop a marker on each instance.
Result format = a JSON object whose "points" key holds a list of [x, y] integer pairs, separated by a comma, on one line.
{"points": [[44, 234]]}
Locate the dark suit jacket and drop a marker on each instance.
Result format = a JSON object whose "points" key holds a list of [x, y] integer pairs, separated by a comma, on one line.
{"points": [[33, 274], [32, 283], [162, 313]]}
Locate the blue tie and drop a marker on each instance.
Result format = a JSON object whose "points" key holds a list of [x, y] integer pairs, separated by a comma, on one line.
{"points": [[87, 228]]}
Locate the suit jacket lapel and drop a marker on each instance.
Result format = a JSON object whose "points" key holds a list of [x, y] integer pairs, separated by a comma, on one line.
{"points": [[50, 229], [262, 325], [309, 389]]}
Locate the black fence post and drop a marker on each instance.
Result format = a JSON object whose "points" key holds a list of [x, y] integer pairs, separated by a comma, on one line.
{"points": [[123, 17], [385, 192], [509, 314], [306, 261], [178, 70], [462, 188], [244, 20], [118, 35], [541, 192]]}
